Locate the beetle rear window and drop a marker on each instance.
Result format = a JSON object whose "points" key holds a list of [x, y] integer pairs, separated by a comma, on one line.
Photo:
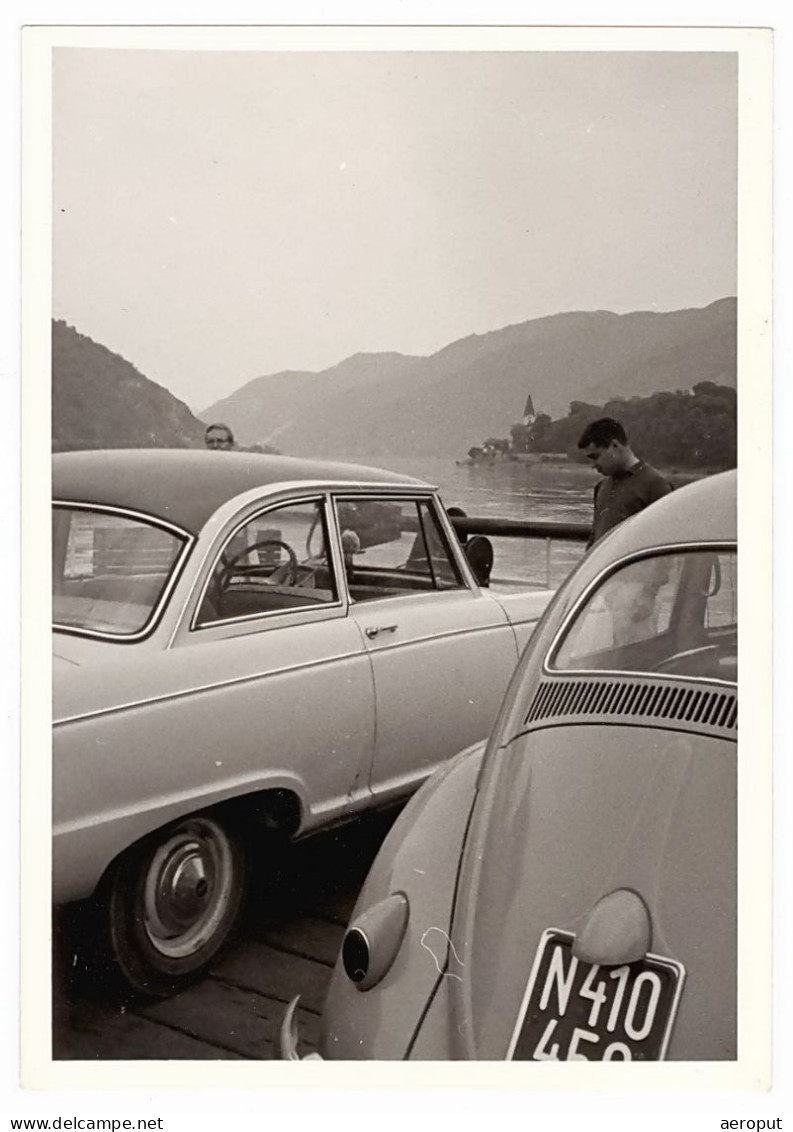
{"points": [[109, 571], [674, 614]]}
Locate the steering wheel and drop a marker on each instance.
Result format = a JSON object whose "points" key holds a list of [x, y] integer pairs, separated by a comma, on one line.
{"points": [[228, 569]]}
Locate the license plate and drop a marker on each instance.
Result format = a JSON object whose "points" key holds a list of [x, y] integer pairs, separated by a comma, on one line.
{"points": [[576, 1011]]}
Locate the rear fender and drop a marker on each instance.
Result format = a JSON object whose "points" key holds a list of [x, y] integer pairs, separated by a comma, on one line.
{"points": [[84, 849], [419, 859]]}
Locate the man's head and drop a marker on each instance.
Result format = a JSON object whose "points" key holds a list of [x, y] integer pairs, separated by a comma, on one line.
{"points": [[605, 445], [350, 544], [219, 436]]}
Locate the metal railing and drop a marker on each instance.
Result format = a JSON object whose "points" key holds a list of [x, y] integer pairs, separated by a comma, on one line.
{"points": [[544, 532], [521, 528]]}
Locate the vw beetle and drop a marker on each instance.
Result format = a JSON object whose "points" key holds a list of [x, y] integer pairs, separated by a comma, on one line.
{"points": [[568, 890]]}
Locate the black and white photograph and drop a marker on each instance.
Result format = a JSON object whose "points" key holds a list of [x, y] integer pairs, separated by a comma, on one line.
{"points": [[392, 381]]}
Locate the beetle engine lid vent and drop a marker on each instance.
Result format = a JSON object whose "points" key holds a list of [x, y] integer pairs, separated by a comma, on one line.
{"points": [[636, 701]]}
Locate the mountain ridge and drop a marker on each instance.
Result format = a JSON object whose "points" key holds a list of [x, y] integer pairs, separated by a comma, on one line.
{"points": [[477, 386], [374, 404], [100, 400]]}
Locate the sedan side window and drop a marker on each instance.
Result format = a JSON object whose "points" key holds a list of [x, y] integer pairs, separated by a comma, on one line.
{"points": [[393, 547], [276, 562]]}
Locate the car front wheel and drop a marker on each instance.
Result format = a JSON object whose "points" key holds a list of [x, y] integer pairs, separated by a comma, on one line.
{"points": [[172, 903]]}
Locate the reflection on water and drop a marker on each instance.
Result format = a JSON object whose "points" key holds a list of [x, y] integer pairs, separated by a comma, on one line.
{"points": [[510, 490], [559, 493]]}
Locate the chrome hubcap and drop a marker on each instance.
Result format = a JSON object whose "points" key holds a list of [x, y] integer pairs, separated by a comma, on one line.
{"points": [[188, 887], [183, 891]]}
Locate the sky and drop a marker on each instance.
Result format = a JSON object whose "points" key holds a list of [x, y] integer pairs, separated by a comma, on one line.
{"points": [[222, 215]]}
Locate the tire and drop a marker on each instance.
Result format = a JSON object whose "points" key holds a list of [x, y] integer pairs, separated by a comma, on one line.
{"points": [[172, 903]]}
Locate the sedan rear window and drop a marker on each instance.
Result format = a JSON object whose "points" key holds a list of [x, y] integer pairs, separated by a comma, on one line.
{"points": [[674, 613], [109, 571]]}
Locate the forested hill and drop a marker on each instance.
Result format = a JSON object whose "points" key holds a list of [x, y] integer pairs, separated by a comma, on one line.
{"points": [[691, 429], [373, 405], [99, 400]]}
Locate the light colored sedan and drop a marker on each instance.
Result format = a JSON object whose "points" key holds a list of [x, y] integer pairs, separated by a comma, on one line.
{"points": [[247, 644], [569, 891]]}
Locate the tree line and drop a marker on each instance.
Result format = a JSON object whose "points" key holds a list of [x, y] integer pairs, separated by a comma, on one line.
{"points": [[684, 429]]}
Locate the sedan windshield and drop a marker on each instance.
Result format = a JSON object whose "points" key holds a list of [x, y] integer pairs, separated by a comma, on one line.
{"points": [[109, 571]]}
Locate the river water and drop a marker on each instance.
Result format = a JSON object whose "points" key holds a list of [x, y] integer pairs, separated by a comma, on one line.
{"points": [[512, 490]]}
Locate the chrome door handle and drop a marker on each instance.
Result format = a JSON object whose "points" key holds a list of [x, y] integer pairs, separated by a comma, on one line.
{"points": [[373, 630]]}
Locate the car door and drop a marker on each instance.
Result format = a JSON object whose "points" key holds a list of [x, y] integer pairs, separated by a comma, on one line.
{"points": [[442, 650], [292, 693]]}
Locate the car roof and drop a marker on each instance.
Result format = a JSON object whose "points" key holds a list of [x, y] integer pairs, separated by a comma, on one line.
{"points": [[186, 486]]}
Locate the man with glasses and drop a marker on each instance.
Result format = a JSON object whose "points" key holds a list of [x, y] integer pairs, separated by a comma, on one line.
{"points": [[219, 436]]}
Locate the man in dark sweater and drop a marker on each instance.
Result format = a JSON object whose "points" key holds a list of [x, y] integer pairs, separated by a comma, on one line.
{"points": [[628, 485]]}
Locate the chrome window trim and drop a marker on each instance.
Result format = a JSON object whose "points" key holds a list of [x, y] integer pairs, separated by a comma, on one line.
{"points": [[188, 541], [450, 543], [607, 571], [305, 614], [413, 594], [322, 499]]}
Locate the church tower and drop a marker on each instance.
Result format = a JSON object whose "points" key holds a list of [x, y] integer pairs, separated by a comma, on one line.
{"points": [[529, 415]]}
